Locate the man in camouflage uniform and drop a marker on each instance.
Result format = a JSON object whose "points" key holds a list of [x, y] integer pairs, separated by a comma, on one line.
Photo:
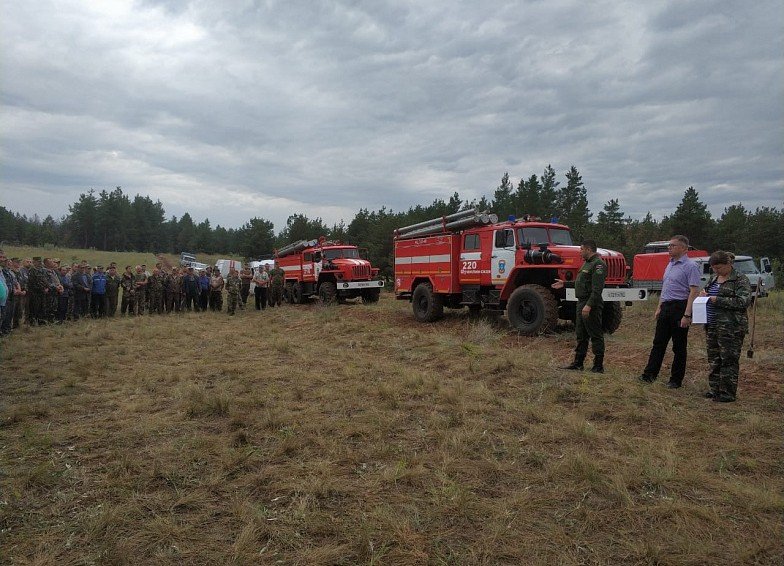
{"points": [[38, 286], [729, 295], [276, 286], [127, 304], [233, 290], [173, 290], [588, 287], [246, 275], [113, 282], [140, 288], [21, 270], [155, 291], [52, 298]]}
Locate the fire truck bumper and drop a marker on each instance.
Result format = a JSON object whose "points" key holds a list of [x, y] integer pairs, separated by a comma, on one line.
{"points": [[345, 285], [616, 294]]}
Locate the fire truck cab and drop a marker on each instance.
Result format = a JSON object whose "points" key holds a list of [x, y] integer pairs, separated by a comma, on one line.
{"points": [[507, 266]]}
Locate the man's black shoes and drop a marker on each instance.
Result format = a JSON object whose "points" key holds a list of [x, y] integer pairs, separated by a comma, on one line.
{"points": [[709, 395], [574, 366], [646, 378], [724, 398], [673, 385]]}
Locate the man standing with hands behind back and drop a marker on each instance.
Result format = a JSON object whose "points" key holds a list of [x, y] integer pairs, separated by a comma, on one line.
{"points": [[588, 287], [680, 287]]}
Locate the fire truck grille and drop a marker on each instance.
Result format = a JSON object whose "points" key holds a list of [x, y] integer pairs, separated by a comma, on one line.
{"points": [[361, 272], [616, 268]]}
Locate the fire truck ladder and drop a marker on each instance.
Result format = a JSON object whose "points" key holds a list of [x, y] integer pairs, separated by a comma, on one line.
{"points": [[444, 224]]}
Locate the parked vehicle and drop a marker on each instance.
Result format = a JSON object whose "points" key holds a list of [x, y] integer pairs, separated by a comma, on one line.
{"points": [[745, 264], [331, 270], [224, 265], [470, 259], [189, 260], [648, 267]]}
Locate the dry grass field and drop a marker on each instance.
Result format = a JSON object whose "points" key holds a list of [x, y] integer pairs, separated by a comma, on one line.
{"points": [[354, 435]]}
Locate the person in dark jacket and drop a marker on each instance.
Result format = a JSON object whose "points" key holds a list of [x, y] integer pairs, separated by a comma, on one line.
{"points": [[729, 295], [81, 290], [204, 290], [190, 286]]}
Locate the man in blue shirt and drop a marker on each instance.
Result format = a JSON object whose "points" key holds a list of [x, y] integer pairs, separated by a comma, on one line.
{"points": [[98, 299], [680, 287]]}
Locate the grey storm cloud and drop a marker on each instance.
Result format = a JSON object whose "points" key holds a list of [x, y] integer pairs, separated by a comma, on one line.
{"points": [[230, 110]]}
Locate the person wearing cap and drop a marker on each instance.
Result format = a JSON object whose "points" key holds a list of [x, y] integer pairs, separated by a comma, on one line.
{"points": [[191, 288], [174, 291], [98, 298]]}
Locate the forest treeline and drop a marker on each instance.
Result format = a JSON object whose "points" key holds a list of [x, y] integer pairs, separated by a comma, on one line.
{"points": [[111, 220]]}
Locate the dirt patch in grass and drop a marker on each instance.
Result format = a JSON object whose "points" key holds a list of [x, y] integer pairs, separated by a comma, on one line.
{"points": [[345, 435]]}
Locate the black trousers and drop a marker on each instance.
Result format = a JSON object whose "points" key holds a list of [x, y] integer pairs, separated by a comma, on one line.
{"points": [[98, 305], [261, 297], [192, 301], [668, 327], [80, 304]]}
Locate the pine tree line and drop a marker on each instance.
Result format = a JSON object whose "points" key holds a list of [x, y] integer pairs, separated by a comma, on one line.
{"points": [[113, 221]]}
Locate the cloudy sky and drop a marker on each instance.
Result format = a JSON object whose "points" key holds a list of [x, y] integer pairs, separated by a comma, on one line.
{"points": [[233, 109]]}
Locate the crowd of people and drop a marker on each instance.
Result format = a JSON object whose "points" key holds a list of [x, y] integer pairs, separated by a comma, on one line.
{"points": [[38, 291]]}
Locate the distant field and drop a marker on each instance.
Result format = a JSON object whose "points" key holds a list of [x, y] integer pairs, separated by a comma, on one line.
{"points": [[354, 435], [98, 257]]}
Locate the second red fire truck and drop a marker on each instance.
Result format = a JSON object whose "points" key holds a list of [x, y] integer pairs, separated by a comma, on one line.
{"points": [[330, 270], [469, 259]]}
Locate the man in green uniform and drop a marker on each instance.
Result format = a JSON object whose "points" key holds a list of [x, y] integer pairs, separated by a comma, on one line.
{"points": [[140, 289], [233, 290], [276, 286], [588, 289], [155, 292], [113, 281]]}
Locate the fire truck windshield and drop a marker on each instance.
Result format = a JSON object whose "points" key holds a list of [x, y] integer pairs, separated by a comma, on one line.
{"points": [[535, 236], [337, 253]]}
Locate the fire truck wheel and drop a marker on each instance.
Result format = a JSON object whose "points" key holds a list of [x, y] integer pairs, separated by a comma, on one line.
{"points": [[288, 294], [428, 306], [328, 293], [370, 296], [296, 293], [612, 314], [532, 309]]}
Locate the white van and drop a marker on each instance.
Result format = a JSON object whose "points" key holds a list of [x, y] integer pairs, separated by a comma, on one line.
{"points": [[224, 265], [744, 264]]}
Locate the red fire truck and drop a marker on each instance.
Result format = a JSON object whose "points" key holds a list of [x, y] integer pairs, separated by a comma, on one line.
{"points": [[470, 259], [331, 270], [648, 267]]}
